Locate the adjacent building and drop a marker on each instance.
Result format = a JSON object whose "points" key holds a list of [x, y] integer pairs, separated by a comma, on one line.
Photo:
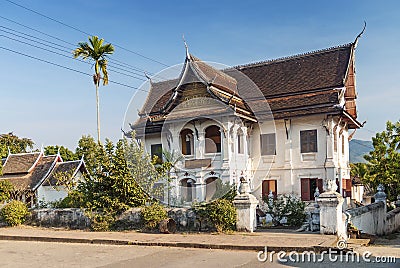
{"points": [[35, 176]]}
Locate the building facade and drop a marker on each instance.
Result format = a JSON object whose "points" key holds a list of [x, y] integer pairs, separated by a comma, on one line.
{"points": [[284, 125], [34, 176]]}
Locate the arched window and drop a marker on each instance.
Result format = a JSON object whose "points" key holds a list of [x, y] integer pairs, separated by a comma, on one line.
{"points": [[211, 188], [187, 142], [187, 188], [240, 141], [213, 139]]}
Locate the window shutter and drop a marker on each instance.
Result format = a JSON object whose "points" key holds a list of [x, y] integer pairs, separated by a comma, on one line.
{"points": [[320, 185], [305, 189]]}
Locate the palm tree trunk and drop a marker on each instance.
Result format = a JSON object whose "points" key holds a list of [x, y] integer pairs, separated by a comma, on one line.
{"points": [[98, 112]]}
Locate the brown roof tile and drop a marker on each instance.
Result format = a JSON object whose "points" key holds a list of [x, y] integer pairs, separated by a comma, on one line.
{"points": [[61, 167], [31, 180], [293, 86], [20, 163], [312, 71]]}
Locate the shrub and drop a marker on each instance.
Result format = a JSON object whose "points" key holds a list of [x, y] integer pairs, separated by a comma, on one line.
{"points": [[14, 213], [152, 215], [100, 221], [5, 190], [296, 214], [222, 214], [285, 206]]}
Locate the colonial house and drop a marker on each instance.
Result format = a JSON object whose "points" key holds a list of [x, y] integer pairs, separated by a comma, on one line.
{"points": [[284, 124], [34, 176]]}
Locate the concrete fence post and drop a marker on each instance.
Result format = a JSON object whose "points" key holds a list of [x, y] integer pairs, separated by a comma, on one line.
{"points": [[332, 220], [380, 196], [246, 205]]}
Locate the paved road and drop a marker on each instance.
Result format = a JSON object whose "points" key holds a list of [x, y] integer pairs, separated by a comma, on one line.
{"points": [[46, 254]]}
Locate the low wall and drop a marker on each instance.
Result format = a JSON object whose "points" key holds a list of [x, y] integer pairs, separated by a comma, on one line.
{"points": [[369, 219], [74, 218], [373, 219], [392, 221]]}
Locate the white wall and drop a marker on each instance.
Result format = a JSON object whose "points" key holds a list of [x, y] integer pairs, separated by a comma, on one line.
{"points": [[50, 194]]}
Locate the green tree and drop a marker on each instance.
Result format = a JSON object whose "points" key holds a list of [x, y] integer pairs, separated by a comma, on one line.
{"points": [[15, 144], [97, 52], [384, 161], [114, 175], [6, 188], [65, 153]]}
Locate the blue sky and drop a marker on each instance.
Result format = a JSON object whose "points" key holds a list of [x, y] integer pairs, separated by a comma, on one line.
{"points": [[52, 105]]}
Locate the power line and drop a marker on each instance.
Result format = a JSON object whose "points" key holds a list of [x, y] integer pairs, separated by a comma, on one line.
{"points": [[67, 68], [86, 33], [114, 61], [63, 55]]}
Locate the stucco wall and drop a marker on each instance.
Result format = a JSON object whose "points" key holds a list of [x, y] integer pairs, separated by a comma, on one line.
{"points": [[392, 221], [368, 218], [74, 218], [51, 193]]}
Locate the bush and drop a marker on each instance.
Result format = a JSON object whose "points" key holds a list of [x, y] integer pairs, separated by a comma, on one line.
{"points": [[285, 206], [296, 214], [5, 190], [152, 215], [100, 221], [222, 214], [14, 213]]}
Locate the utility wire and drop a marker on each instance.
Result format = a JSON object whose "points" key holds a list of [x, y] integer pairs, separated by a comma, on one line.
{"points": [[114, 61], [86, 33], [67, 56], [67, 68]]}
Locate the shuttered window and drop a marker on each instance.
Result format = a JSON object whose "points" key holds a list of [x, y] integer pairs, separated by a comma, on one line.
{"points": [[308, 141], [308, 187], [267, 186], [268, 144]]}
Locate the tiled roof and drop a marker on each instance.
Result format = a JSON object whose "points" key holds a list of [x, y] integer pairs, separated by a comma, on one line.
{"points": [[215, 76], [20, 163], [31, 180], [62, 167], [292, 86], [322, 69]]}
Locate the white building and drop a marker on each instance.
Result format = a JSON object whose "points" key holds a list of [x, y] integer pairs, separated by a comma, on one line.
{"points": [[281, 124], [34, 176]]}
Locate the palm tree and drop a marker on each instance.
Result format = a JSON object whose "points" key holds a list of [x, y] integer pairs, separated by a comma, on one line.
{"points": [[97, 52]]}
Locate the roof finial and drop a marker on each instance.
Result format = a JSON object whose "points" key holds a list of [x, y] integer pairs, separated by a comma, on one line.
{"points": [[186, 47], [147, 76], [9, 151], [360, 34]]}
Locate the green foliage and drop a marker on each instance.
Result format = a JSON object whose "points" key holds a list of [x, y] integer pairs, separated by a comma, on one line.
{"points": [[114, 173], [101, 221], [224, 190], [276, 208], [13, 143], [6, 189], [384, 161], [152, 215], [222, 214], [296, 214], [285, 206], [14, 213], [65, 153], [74, 199]]}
